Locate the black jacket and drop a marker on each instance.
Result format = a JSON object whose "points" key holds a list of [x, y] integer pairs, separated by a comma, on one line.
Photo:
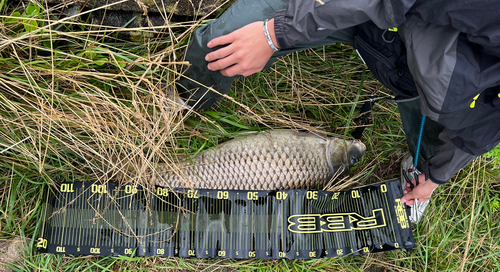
{"points": [[453, 49]]}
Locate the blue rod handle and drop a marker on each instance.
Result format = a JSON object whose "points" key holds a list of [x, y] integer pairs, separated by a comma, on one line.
{"points": [[422, 123]]}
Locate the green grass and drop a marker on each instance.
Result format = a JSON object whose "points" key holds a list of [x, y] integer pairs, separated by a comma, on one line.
{"points": [[72, 98]]}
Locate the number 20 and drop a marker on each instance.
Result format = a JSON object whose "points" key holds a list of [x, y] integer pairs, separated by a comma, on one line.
{"points": [[42, 243]]}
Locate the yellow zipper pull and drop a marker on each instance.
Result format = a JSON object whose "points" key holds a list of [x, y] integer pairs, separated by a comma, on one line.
{"points": [[393, 29], [473, 104]]}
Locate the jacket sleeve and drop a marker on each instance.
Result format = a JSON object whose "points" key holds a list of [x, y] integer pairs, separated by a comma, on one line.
{"points": [[447, 161], [311, 20]]}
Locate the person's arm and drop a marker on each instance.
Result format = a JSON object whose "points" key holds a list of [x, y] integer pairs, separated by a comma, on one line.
{"points": [[246, 50], [246, 53], [453, 87], [437, 171], [310, 20], [447, 161]]}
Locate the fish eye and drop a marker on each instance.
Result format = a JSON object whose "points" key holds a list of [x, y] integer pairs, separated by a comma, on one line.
{"points": [[354, 160]]}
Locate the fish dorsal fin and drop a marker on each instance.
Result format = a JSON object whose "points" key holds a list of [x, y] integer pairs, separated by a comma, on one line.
{"points": [[246, 134]]}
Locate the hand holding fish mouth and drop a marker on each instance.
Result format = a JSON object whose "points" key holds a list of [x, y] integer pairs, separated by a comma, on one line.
{"points": [[245, 50]]}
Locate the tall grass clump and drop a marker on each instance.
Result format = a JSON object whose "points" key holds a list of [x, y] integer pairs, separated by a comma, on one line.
{"points": [[73, 97]]}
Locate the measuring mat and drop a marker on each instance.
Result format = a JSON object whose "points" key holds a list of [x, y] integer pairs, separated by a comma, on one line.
{"points": [[112, 220]]}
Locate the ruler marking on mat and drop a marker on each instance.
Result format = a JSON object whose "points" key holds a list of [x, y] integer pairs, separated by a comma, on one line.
{"points": [[112, 220]]}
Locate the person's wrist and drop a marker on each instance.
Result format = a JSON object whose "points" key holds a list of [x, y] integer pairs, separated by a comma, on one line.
{"points": [[270, 34], [432, 184], [429, 184]]}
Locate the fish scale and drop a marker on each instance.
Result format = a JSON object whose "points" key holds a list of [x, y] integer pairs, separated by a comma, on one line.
{"points": [[271, 160]]}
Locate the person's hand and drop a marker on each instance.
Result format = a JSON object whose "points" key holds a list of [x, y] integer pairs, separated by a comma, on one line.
{"points": [[421, 192], [246, 53]]}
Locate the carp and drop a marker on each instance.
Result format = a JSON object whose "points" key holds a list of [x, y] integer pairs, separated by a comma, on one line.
{"points": [[270, 160]]}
